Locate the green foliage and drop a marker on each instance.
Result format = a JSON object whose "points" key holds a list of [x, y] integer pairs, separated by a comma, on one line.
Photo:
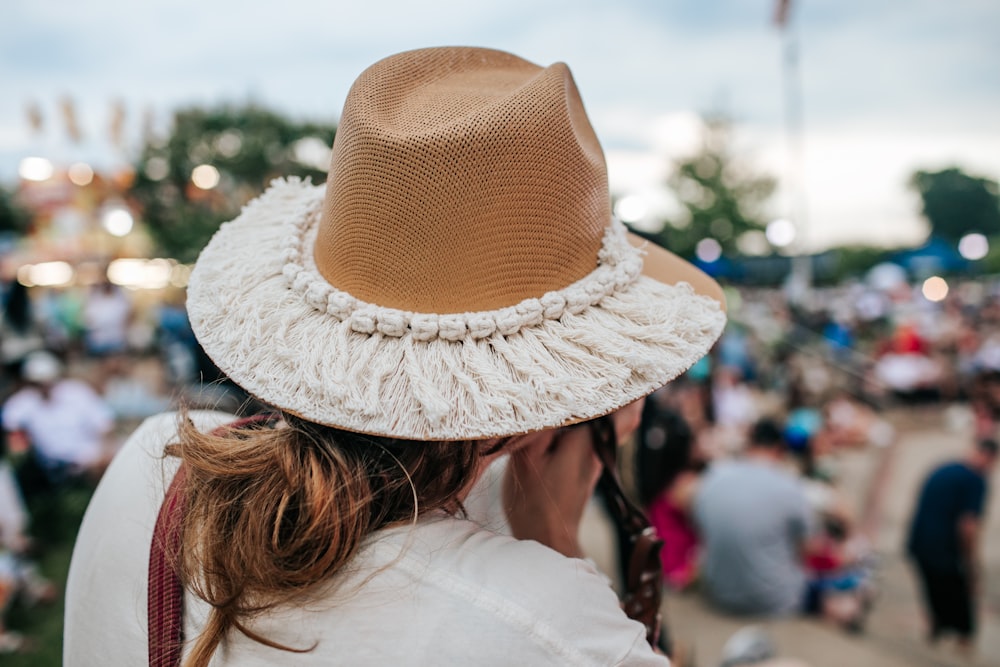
{"points": [[722, 197], [248, 145], [990, 265], [956, 203], [56, 517], [13, 218], [855, 261]]}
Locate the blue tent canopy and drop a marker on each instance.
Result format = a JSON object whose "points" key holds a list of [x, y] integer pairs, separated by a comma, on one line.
{"points": [[935, 256]]}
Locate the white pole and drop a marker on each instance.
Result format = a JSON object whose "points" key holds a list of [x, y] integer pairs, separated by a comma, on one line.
{"points": [[801, 278]]}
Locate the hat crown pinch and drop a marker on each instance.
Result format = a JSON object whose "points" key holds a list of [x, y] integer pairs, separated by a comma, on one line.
{"points": [[462, 180]]}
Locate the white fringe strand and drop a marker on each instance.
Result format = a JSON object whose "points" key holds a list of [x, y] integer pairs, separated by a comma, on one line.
{"points": [[299, 344]]}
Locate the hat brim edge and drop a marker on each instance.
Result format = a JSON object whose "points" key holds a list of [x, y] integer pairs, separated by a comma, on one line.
{"points": [[664, 266], [234, 355]]}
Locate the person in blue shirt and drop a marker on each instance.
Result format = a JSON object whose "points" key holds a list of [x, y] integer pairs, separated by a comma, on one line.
{"points": [[943, 540]]}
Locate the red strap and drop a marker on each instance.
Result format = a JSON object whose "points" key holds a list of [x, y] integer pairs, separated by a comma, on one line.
{"points": [[165, 594]]}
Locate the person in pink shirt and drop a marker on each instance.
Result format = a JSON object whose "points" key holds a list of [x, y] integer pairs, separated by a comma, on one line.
{"points": [[668, 478]]}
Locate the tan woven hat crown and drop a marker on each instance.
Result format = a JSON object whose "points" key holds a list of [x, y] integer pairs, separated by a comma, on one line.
{"points": [[462, 179], [459, 276]]}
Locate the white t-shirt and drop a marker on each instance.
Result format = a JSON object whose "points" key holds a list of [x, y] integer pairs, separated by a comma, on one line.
{"points": [[67, 428], [445, 591], [106, 318]]}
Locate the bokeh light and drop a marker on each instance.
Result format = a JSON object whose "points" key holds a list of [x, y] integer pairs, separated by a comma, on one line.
{"points": [[80, 173], [140, 273], [973, 246], [230, 143], [753, 243], [157, 168], [45, 274], [179, 275], [117, 221], [35, 169], [780, 233], [708, 250], [631, 208], [935, 288], [205, 176], [312, 152]]}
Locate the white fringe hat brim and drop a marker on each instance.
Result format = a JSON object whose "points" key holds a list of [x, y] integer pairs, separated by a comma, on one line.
{"points": [[281, 348]]}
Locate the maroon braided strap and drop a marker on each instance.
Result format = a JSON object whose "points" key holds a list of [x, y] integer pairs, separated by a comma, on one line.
{"points": [[165, 593]]}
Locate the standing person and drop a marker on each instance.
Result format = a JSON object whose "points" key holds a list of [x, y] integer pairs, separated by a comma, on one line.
{"points": [[457, 291], [106, 316], [18, 331], [944, 541], [754, 520], [63, 421]]}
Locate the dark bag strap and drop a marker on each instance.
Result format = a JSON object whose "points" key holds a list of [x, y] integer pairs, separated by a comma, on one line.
{"points": [[165, 592], [641, 549]]}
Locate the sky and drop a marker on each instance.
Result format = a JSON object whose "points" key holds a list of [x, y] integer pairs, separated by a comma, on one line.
{"points": [[887, 87]]}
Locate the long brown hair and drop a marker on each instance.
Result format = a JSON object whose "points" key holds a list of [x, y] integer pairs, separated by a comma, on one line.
{"points": [[271, 513]]}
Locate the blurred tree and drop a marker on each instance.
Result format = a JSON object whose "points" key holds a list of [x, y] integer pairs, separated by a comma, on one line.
{"points": [[247, 145], [14, 218], [722, 198], [855, 261], [956, 203]]}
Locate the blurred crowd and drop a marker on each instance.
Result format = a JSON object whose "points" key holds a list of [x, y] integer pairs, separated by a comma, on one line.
{"points": [[736, 461], [81, 367]]}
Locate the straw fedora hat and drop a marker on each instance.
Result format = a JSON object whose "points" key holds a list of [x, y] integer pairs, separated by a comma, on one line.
{"points": [[460, 275]]}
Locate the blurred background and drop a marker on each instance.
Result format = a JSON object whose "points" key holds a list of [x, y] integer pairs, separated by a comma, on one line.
{"points": [[834, 164]]}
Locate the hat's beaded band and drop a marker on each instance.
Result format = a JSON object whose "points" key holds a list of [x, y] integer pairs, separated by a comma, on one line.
{"points": [[619, 265]]}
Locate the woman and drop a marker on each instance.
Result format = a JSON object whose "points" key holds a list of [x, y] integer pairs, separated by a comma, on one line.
{"points": [[668, 472], [454, 293]]}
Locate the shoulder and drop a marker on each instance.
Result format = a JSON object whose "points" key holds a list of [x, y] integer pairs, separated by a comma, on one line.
{"points": [[562, 607], [954, 474], [156, 432], [24, 396], [719, 470], [714, 482], [106, 588], [952, 469], [141, 461], [18, 403], [139, 472]]}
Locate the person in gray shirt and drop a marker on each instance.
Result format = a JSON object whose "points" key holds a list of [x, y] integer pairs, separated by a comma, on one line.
{"points": [[754, 519]]}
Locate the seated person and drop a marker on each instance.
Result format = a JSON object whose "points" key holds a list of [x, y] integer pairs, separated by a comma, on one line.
{"points": [[754, 521]]}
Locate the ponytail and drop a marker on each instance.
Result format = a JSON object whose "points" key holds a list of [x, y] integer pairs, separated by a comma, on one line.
{"points": [[271, 513]]}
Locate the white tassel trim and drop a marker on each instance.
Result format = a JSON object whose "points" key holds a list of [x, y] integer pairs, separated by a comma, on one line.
{"points": [[445, 377]]}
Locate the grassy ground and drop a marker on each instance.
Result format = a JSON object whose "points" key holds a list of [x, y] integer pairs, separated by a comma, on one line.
{"points": [[56, 518]]}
